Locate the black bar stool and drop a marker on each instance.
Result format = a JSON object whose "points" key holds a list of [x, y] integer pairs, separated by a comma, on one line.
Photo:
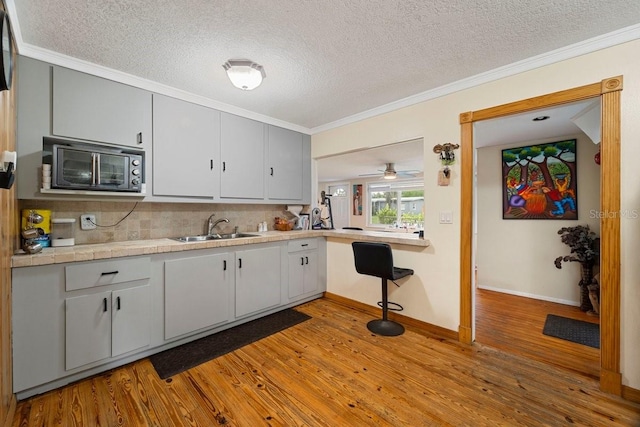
{"points": [[376, 259]]}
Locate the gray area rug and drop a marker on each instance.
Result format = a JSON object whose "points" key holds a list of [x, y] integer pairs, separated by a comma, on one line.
{"points": [[578, 331], [173, 361]]}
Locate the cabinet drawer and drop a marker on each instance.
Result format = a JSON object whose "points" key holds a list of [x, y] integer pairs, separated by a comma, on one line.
{"points": [[302, 245], [100, 273]]}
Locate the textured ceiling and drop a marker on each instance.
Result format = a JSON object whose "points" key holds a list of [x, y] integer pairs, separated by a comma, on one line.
{"points": [[324, 59]]}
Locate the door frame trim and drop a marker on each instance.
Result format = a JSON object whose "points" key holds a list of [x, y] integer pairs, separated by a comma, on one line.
{"points": [[609, 92]]}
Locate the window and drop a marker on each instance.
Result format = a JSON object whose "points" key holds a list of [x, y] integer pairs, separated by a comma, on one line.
{"points": [[338, 190], [397, 204]]}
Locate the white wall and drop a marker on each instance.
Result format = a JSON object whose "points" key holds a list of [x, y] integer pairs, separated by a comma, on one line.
{"points": [[437, 121], [516, 256]]}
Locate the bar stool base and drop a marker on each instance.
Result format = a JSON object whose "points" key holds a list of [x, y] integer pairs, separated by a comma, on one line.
{"points": [[385, 328]]}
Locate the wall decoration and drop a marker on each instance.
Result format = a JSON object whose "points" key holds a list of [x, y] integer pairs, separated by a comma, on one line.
{"points": [[357, 199], [539, 181]]}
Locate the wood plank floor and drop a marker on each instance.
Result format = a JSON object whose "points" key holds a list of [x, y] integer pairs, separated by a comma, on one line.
{"points": [[514, 324], [331, 371]]}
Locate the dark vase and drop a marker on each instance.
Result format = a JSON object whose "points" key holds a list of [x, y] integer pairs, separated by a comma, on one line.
{"points": [[586, 272]]}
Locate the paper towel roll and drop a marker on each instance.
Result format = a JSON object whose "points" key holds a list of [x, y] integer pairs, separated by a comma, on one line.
{"points": [[294, 209], [8, 157]]}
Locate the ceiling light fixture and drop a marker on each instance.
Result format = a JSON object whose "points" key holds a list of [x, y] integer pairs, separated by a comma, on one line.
{"points": [[244, 74], [390, 172]]}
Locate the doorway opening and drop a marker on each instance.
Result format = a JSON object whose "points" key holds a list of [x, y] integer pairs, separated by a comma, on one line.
{"points": [[518, 289], [609, 93]]}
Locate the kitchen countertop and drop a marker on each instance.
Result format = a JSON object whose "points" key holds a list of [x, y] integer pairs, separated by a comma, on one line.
{"points": [[60, 255]]}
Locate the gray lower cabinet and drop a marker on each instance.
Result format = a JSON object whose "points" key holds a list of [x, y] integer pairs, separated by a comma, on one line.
{"points": [[73, 320], [67, 318], [258, 280], [303, 267], [106, 324], [196, 293]]}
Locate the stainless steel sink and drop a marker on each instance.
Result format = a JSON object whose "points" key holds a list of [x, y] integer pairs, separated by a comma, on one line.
{"points": [[233, 235], [202, 238]]}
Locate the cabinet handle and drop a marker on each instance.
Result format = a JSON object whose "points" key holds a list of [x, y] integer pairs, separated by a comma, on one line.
{"points": [[301, 261], [271, 171], [211, 163], [307, 259], [224, 166], [118, 303], [139, 137], [104, 305], [239, 262], [108, 273], [224, 265], [93, 169], [305, 244]]}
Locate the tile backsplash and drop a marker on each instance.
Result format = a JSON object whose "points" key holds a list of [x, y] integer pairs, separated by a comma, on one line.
{"points": [[155, 220]]}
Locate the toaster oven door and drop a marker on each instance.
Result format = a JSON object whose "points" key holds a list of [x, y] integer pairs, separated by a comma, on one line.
{"points": [[112, 172], [74, 169]]}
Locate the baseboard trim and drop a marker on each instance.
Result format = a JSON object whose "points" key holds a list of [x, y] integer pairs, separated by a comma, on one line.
{"points": [[532, 296], [631, 394], [417, 325]]}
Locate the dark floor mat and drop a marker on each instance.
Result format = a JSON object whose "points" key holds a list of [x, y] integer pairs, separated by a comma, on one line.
{"points": [[179, 359], [578, 331]]}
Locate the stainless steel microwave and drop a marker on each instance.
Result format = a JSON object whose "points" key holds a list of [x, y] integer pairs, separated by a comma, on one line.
{"points": [[79, 166]]}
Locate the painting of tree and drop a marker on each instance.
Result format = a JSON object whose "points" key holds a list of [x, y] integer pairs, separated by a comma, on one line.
{"points": [[539, 181]]}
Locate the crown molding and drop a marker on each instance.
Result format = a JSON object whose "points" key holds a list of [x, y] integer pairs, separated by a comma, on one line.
{"points": [[584, 47], [149, 85]]}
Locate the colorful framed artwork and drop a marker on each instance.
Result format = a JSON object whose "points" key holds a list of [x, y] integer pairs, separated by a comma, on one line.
{"points": [[539, 181], [357, 199]]}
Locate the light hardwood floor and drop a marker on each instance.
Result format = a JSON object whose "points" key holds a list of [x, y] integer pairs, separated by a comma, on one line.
{"points": [[514, 324], [331, 371]]}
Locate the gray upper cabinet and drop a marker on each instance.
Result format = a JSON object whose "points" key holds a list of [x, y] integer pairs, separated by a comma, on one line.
{"points": [[242, 157], [96, 109], [284, 164], [192, 153], [34, 122], [186, 138]]}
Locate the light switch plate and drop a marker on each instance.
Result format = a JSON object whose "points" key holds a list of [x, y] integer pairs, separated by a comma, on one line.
{"points": [[446, 217], [87, 222]]}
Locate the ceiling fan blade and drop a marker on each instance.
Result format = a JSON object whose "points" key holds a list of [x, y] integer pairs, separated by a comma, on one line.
{"points": [[410, 173]]}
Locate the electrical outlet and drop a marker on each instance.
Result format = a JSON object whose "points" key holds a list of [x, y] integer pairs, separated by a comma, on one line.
{"points": [[88, 222]]}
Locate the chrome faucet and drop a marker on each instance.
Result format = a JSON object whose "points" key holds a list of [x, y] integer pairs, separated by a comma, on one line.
{"points": [[211, 224]]}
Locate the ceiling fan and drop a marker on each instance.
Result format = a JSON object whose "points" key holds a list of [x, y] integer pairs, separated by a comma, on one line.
{"points": [[389, 172]]}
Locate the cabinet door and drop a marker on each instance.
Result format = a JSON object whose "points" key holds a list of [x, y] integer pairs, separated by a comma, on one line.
{"points": [[88, 329], [186, 138], [131, 314], [310, 272], [34, 122], [96, 109], [242, 156], [257, 280], [284, 164], [196, 293], [303, 273], [296, 274]]}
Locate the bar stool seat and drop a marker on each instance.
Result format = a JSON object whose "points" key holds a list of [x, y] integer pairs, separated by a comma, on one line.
{"points": [[376, 259]]}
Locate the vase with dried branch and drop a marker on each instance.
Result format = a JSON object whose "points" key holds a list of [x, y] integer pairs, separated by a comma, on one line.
{"points": [[585, 249]]}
